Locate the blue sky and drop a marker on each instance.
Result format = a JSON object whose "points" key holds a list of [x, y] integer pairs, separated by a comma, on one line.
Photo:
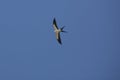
{"points": [[90, 49]]}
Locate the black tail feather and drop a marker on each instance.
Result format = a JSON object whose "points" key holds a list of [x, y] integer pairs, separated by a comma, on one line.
{"points": [[62, 27], [63, 30]]}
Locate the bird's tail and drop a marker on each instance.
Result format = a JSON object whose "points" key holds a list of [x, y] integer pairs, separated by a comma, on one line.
{"points": [[63, 30]]}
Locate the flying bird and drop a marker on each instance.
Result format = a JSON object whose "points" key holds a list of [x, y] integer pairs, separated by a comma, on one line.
{"points": [[57, 31]]}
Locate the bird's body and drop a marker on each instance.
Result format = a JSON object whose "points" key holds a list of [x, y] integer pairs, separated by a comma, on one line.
{"points": [[57, 31]]}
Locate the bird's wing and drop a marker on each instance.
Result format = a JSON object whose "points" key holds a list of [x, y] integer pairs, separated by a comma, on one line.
{"points": [[58, 37], [55, 24]]}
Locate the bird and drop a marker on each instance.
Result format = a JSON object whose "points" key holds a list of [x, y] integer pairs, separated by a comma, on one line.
{"points": [[57, 31]]}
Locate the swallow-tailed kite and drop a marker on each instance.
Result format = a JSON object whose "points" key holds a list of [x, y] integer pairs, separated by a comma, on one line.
{"points": [[57, 31]]}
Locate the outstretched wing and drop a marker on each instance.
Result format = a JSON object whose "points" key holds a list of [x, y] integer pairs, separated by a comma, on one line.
{"points": [[55, 24], [58, 37]]}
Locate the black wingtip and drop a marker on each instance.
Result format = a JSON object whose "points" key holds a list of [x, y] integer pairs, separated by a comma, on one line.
{"points": [[59, 41], [54, 21]]}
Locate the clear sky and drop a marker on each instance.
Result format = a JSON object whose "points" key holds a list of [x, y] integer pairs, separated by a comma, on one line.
{"points": [[90, 49]]}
